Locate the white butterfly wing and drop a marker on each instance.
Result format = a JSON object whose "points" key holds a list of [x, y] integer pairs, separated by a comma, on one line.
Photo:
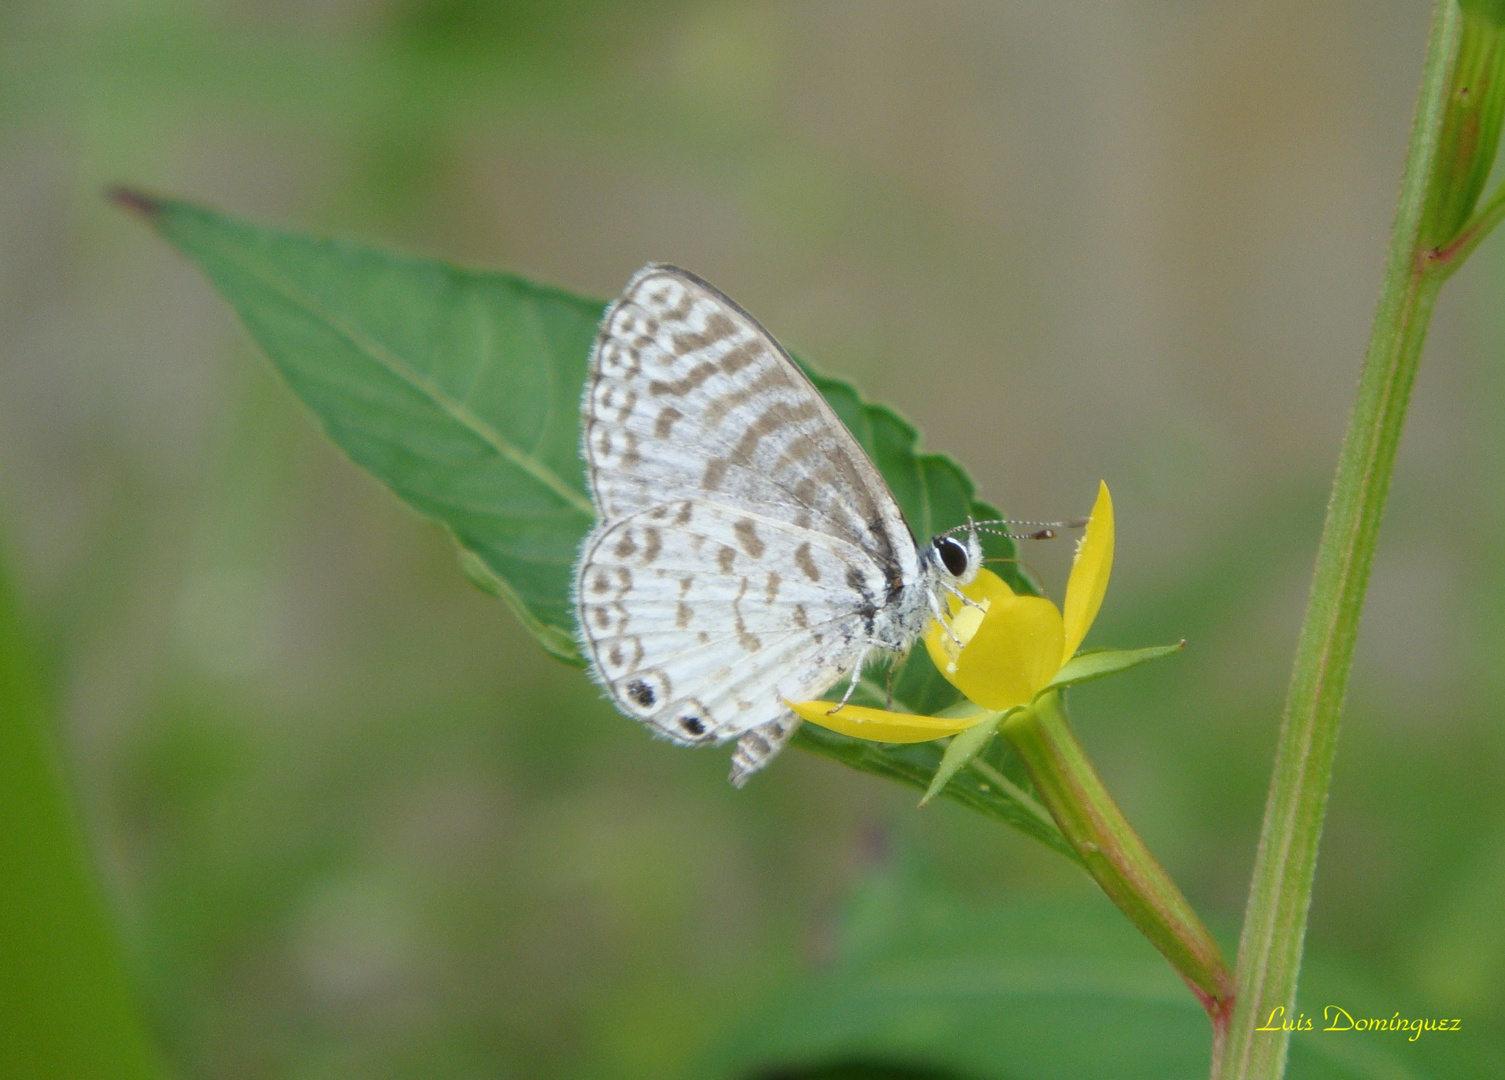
{"points": [[690, 397], [703, 620], [745, 540]]}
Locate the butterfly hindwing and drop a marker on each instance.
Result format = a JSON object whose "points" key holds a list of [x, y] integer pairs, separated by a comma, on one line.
{"points": [[702, 621]]}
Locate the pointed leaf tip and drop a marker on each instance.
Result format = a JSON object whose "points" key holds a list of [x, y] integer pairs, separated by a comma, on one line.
{"points": [[134, 200]]}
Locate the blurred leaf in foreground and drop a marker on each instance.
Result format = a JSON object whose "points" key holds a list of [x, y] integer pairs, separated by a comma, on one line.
{"points": [[66, 1007], [928, 985]]}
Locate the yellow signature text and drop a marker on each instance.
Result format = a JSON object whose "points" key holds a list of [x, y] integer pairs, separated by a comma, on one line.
{"points": [[1338, 1018]]}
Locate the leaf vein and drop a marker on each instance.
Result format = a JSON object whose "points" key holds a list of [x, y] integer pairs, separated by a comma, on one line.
{"points": [[451, 407]]}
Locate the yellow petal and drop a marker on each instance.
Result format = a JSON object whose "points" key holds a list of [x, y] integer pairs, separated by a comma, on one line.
{"points": [[1089, 574], [1007, 652], [876, 725], [1013, 655]]}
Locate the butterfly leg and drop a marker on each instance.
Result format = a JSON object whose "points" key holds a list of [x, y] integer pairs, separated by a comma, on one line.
{"points": [[963, 597], [939, 611], [856, 678], [867, 650]]}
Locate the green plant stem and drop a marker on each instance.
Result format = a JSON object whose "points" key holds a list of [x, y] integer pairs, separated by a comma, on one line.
{"points": [[1270, 949], [1114, 854]]}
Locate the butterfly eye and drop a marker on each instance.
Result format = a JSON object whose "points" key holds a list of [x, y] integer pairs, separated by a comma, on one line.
{"points": [[953, 555]]}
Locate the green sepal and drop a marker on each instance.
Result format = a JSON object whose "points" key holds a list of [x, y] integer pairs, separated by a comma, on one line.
{"points": [[1100, 662], [964, 746]]}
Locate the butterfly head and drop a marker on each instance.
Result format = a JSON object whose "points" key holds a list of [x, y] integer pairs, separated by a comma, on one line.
{"points": [[957, 554]]}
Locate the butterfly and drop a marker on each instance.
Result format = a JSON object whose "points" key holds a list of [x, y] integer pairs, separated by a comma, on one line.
{"points": [[747, 552]]}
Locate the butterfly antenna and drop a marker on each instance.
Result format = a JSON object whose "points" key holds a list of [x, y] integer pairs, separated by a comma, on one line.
{"points": [[1042, 530]]}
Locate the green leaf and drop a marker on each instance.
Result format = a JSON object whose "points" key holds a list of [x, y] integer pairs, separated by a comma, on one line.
{"points": [[963, 747], [459, 389], [1087, 666], [66, 1006], [928, 984], [915, 764], [984, 788]]}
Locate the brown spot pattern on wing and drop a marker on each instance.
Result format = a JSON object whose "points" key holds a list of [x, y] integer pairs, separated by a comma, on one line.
{"points": [[747, 536], [748, 641], [717, 326], [803, 560], [777, 417], [772, 379], [715, 472], [680, 387], [747, 352], [664, 423]]}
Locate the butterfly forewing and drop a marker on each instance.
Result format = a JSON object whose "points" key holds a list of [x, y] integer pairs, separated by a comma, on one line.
{"points": [[691, 396]]}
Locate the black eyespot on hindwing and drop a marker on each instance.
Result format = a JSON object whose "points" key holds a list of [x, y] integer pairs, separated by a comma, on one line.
{"points": [[693, 724], [640, 692]]}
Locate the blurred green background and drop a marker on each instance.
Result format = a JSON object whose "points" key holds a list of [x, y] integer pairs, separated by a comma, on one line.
{"points": [[350, 819]]}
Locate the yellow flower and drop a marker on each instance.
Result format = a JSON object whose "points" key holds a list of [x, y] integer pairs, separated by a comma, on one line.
{"points": [[1005, 650]]}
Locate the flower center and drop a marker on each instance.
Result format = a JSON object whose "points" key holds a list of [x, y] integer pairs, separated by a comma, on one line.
{"points": [[964, 626]]}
